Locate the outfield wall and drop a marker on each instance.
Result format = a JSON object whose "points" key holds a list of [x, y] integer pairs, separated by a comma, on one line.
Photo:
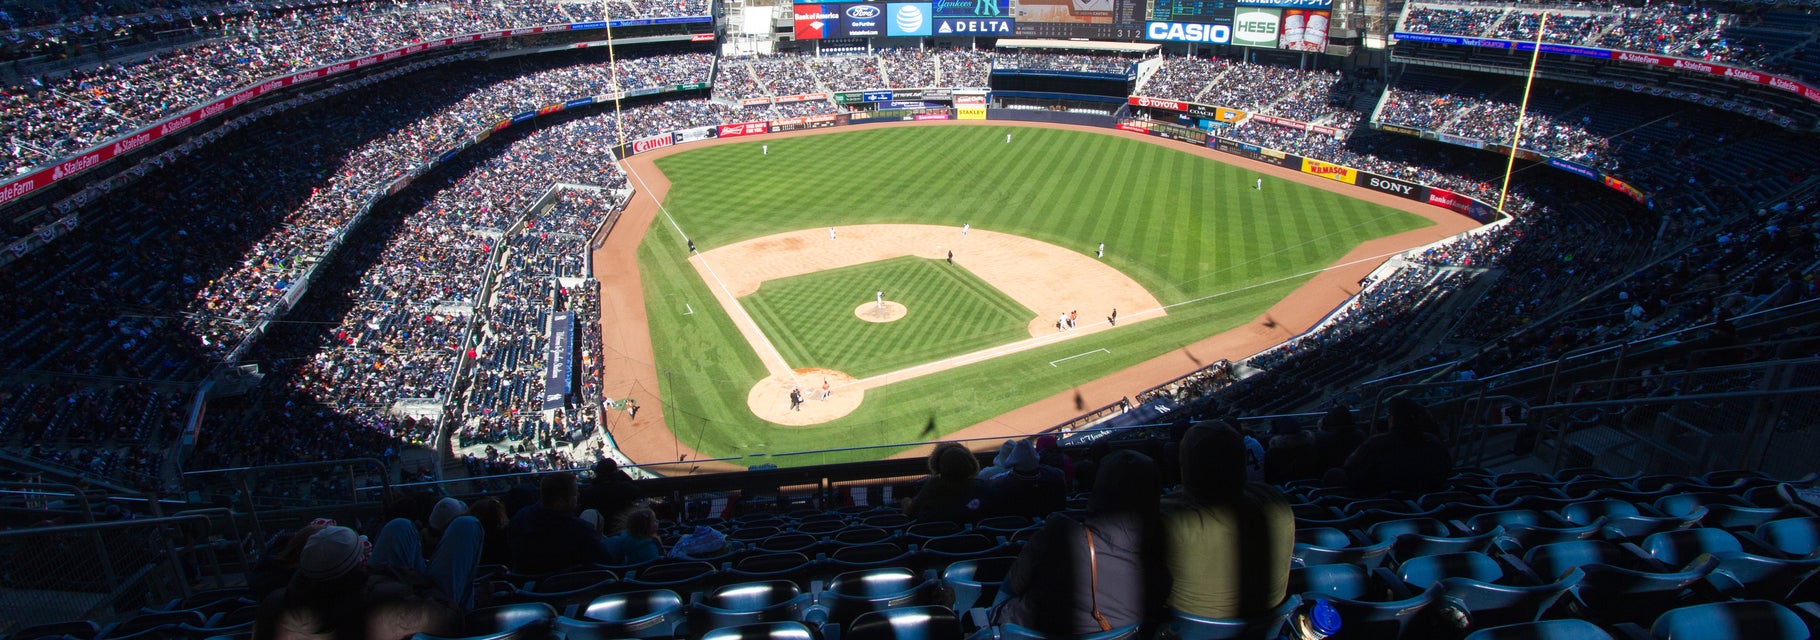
{"points": [[1058, 117]]}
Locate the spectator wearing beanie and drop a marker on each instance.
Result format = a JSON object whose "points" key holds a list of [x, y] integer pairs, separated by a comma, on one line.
{"points": [[441, 515], [1411, 457], [1292, 454], [1029, 489], [1337, 437], [1000, 463], [550, 537], [279, 562], [1051, 454], [325, 598], [1229, 542], [613, 490], [951, 493], [1060, 579]]}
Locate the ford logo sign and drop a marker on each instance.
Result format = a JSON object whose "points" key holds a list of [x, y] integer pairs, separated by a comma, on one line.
{"points": [[862, 12]]}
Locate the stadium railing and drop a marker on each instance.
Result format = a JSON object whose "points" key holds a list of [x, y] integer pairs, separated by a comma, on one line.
{"points": [[97, 570]]}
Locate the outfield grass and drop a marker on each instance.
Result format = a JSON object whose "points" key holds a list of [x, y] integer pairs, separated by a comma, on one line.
{"points": [[1189, 229], [810, 319]]}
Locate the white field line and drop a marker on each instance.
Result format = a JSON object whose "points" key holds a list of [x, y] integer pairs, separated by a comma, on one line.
{"points": [[1052, 362]]}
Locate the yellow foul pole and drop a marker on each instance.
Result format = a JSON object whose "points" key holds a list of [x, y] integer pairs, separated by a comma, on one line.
{"points": [[1516, 137]]}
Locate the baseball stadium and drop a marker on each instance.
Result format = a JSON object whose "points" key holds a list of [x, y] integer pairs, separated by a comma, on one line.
{"points": [[572, 320]]}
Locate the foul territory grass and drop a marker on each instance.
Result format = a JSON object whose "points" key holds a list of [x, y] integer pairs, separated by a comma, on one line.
{"points": [[810, 318], [1191, 230]]}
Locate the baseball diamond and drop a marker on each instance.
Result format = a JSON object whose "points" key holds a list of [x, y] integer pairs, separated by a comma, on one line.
{"points": [[1215, 254]]}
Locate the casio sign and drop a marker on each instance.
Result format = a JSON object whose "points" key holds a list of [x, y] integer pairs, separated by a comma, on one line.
{"points": [[862, 12], [1188, 32]]}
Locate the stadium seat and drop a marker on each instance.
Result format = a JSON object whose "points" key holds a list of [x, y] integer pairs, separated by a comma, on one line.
{"points": [[1328, 537], [856, 592], [1005, 525], [939, 552], [862, 535], [1791, 537], [638, 614], [1367, 556], [786, 630], [922, 531], [1586, 512], [1265, 627], [1639, 527], [1414, 545], [787, 543], [929, 622], [1423, 572], [1733, 620], [1360, 598], [821, 527], [1390, 530], [976, 582], [524, 621], [1017, 632], [1475, 604], [1543, 630], [1748, 575], [150, 625], [75, 629], [678, 576], [747, 603], [1677, 548], [867, 556], [794, 567], [1614, 594]]}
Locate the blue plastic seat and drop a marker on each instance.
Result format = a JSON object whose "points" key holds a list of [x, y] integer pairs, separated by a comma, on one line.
{"points": [[1551, 561], [1733, 620], [1426, 571], [1517, 538], [1543, 630], [635, 614], [976, 582], [1480, 604], [1640, 527], [929, 622], [681, 577], [1017, 632], [523, 621], [1792, 537], [1267, 626], [1328, 537], [1589, 511], [785, 630], [867, 556], [794, 567], [1413, 545], [1748, 575], [856, 592], [1615, 594], [1367, 556], [1389, 530], [747, 603], [1677, 548]]}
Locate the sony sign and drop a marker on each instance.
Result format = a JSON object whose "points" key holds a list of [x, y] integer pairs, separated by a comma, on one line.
{"points": [[1188, 32]]}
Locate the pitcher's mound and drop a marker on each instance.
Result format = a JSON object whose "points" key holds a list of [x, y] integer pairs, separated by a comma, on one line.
{"points": [[770, 398], [871, 313]]}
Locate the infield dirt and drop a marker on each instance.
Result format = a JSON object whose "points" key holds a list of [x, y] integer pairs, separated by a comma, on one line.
{"points": [[629, 360]]}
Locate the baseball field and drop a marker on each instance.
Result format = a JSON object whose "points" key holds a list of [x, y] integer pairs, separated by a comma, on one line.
{"points": [[1192, 238]]}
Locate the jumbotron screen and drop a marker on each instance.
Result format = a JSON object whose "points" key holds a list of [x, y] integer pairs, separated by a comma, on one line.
{"points": [[1092, 19]]}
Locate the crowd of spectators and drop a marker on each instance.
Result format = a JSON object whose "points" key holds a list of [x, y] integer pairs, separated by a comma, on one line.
{"points": [[1562, 28], [784, 75], [1255, 87], [50, 118], [1450, 20], [1660, 30], [847, 73], [116, 434], [649, 119], [1183, 78], [1036, 61], [965, 68], [912, 67], [1493, 120]]}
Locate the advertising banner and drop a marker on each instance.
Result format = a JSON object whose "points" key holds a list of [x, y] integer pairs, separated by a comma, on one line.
{"points": [[1625, 188], [1158, 103], [654, 142], [547, 110], [1254, 27], [1459, 140], [559, 365], [697, 133], [578, 102], [969, 98], [972, 17], [701, 37], [934, 116], [975, 26], [817, 21], [524, 116], [862, 20], [1400, 129], [1392, 186], [807, 97], [1188, 32], [970, 113], [908, 19], [1304, 30], [742, 129], [1449, 200], [753, 102], [1330, 171], [1574, 168], [1127, 126], [1254, 152]]}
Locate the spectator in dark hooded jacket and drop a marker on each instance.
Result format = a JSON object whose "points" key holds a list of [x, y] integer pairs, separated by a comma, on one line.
{"points": [[1337, 437], [1029, 489], [1292, 454], [1411, 457], [1055, 587], [951, 493]]}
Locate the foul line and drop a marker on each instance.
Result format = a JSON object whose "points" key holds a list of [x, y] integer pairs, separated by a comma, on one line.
{"points": [[1052, 362]]}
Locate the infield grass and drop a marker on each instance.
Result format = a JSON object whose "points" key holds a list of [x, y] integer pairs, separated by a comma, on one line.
{"points": [[1191, 230], [810, 318]]}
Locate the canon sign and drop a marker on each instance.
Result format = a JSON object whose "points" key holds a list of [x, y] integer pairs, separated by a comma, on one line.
{"points": [[1188, 32]]}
